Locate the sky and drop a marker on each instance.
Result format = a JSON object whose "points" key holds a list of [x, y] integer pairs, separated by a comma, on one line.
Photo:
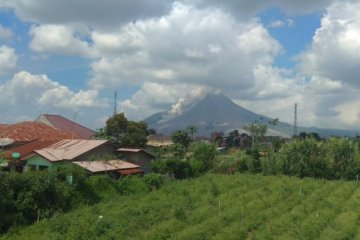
{"points": [[68, 57]]}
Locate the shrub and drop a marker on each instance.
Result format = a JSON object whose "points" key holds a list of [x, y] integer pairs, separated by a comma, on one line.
{"points": [[132, 184], [154, 180], [204, 153]]}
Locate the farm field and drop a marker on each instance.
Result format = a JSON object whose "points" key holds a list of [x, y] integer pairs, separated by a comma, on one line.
{"points": [[240, 206]]}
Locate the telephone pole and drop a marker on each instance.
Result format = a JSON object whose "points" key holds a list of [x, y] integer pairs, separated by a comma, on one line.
{"points": [[115, 103], [295, 121]]}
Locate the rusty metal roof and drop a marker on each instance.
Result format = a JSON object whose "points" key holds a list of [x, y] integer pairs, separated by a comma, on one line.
{"points": [[29, 131], [131, 171], [69, 149], [2, 126], [103, 166], [63, 123], [28, 148], [134, 150]]}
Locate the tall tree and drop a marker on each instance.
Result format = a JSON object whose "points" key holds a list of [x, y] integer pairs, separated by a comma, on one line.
{"points": [[181, 137], [192, 130], [125, 133], [257, 130]]}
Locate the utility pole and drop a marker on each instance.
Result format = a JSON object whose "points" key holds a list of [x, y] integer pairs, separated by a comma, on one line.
{"points": [[115, 103], [295, 121]]}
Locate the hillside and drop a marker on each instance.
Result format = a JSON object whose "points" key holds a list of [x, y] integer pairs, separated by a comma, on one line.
{"points": [[216, 112], [236, 206]]}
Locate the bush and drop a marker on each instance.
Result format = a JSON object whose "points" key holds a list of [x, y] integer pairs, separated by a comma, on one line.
{"points": [[154, 180], [303, 158], [204, 153], [180, 169], [132, 184]]}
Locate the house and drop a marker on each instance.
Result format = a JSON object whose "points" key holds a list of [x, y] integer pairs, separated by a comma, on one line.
{"points": [[63, 153], [116, 168], [65, 124], [139, 157], [23, 150], [159, 140]]}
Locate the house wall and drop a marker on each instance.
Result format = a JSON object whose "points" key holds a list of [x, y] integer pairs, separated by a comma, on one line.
{"points": [[140, 158], [37, 163]]}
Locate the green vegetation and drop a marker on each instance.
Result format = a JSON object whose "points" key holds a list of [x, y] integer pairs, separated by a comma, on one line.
{"points": [[31, 196], [125, 133], [240, 206]]}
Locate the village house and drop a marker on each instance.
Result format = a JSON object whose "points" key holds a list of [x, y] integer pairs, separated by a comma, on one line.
{"points": [[138, 156], [63, 153], [159, 140]]}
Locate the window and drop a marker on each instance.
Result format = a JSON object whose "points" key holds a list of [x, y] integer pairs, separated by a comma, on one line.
{"points": [[41, 168], [32, 167]]}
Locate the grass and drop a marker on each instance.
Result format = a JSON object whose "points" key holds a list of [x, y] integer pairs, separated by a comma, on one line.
{"points": [[239, 206]]}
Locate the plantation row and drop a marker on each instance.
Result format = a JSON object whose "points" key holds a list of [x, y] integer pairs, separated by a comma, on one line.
{"points": [[216, 207], [330, 159]]}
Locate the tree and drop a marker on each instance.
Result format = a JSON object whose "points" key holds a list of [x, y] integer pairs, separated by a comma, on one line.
{"points": [[135, 135], [116, 127], [205, 153], [125, 133], [192, 130], [181, 137], [257, 130]]}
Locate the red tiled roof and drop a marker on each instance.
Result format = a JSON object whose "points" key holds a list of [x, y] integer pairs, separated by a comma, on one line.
{"points": [[29, 131], [62, 123], [29, 147]]}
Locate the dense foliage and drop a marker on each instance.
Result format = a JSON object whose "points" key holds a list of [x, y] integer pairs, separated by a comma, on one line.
{"points": [[240, 206], [335, 158], [125, 133], [31, 196]]}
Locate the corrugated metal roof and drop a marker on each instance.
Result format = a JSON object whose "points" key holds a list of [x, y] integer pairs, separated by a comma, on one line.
{"points": [[29, 131], [102, 166], [135, 150], [69, 149], [63, 123]]}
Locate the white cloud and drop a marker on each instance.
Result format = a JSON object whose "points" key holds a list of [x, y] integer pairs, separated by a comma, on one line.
{"points": [[335, 49], [281, 23], [202, 47], [58, 39], [25, 90], [8, 59], [5, 33]]}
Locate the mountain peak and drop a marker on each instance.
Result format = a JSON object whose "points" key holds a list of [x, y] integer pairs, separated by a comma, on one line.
{"points": [[214, 112]]}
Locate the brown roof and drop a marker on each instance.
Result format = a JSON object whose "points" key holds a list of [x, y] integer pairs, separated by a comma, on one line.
{"points": [[134, 150], [63, 123], [2, 126], [103, 166], [28, 148], [69, 149], [29, 131], [130, 171]]}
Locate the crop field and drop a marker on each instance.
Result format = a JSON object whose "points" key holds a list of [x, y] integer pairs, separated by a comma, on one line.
{"points": [[240, 206]]}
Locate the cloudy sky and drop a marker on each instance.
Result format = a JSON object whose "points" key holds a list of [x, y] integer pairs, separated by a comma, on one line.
{"points": [[68, 57]]}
